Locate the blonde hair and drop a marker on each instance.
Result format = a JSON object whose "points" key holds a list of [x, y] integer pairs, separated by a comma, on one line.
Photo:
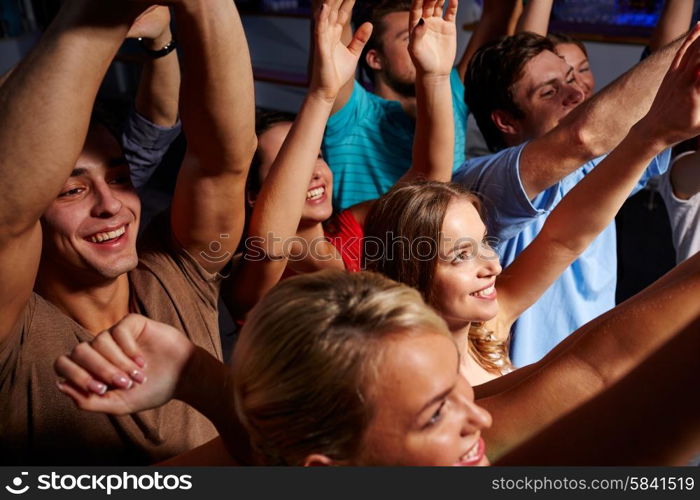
{"points": [[416, 211], [307, 355]]}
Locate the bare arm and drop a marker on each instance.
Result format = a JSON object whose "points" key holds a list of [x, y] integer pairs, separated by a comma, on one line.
{"points": [[569, 229], [346, 37], [433, 45], [153, 124], [535, 17], [591, 359], [498, 19], [674, 22], [218, 116], [45, 107], [595, 126], [279, 206], [159, 88], [576, 221], [614, 428]]}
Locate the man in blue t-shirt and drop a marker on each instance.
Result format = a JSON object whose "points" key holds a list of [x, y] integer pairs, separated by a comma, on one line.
{"points": [[529, 107], [369, 136]]}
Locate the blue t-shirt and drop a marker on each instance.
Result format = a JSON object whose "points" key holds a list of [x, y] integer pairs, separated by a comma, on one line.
{"points": [[368, 143], [586, 289]]}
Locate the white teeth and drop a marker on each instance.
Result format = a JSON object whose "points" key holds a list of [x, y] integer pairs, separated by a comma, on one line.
{"points": [[316, 193], [110, 235], [485, 292], [471, 454]]}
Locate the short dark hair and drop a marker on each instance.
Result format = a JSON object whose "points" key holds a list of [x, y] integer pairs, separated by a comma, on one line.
{"points": [[374, 12], [559, 38], [489, 81]]}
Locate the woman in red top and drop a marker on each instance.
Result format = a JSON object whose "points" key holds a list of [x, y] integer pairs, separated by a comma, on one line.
{"points": [[288, 228]]}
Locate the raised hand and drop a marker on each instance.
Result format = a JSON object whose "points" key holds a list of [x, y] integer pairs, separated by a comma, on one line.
{"points": [[133, 366], [433, 38], [675, 113], [335, 63]]}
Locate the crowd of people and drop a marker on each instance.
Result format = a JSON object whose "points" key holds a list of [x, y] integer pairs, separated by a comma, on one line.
{"points": [[398, 300]]}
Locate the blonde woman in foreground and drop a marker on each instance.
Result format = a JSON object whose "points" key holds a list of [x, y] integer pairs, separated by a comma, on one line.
{"points": [[336, 368]]}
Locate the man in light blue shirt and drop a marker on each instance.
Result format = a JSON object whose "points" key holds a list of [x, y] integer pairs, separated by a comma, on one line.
{"points": [[529, 106]]}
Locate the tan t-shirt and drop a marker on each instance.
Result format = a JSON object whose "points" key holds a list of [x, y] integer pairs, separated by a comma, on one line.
{"points": [[40, 425]]}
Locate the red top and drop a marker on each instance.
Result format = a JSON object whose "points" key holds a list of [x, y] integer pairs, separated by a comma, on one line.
{"points": [[345, 234]]}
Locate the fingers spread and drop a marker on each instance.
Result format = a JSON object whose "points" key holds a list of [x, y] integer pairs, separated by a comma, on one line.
{"points": [[437, 12], [345, 11], [415, 14], [429, 8]]}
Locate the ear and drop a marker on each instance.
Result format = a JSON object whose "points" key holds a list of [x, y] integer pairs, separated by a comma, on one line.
{"points": [[318, 460], [374, 59], [505, 122]]}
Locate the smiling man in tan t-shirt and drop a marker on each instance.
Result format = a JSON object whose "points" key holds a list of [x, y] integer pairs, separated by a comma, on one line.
{"points": [[69, 219]]}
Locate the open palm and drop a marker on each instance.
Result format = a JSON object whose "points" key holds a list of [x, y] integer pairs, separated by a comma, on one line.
{"points": [[335, 63], [433, 42]]}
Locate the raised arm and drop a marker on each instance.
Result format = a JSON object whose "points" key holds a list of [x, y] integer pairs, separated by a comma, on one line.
{"points": [[45, 107], [595, 126], [432, 46], [346, 37], [153, 125], [159, 88], [674, 21], [535, 17], [674, 116], [279, 206], [498, 18], [218, 115], [614, 428], [590, 360]]}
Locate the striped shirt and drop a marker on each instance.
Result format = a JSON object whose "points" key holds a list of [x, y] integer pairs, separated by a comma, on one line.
{"points": [[368, 143]]}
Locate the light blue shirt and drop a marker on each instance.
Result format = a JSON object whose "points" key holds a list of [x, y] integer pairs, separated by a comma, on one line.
{"points": [[368, 143], [586, 289]]}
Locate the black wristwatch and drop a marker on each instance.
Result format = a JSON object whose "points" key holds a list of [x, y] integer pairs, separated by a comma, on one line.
{"points": [[155, 54]]}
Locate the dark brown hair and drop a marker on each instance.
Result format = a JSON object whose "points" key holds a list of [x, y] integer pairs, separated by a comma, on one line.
{"points": [[264, 120], [489, 81], [374, 12]]}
